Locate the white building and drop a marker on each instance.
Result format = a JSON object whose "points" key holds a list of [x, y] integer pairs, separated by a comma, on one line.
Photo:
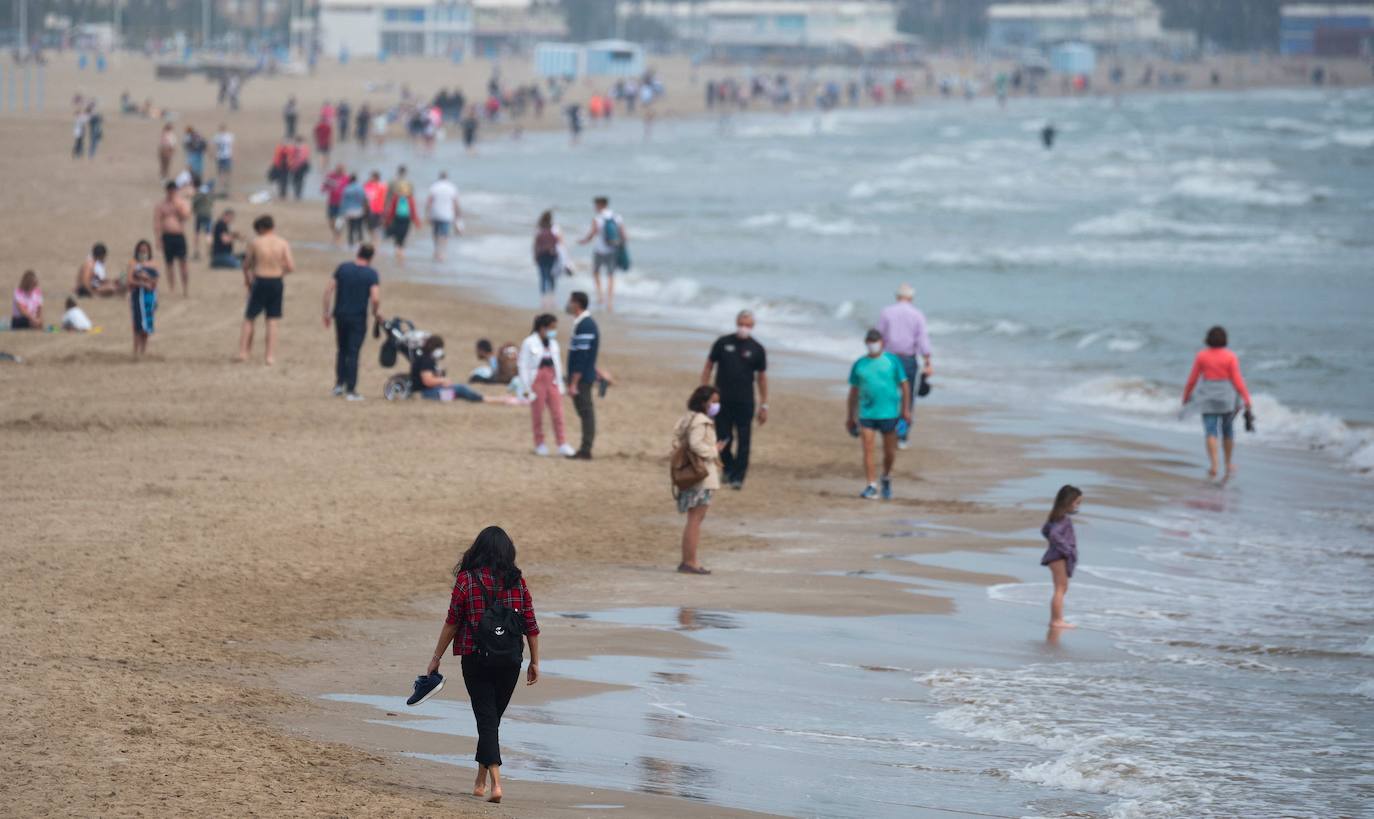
{"points": [[1117, 24], [755, 27], [396, 28]]}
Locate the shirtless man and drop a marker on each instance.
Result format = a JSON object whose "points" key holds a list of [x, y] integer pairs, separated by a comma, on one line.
{"points": [[169, 228], [267, 261]]}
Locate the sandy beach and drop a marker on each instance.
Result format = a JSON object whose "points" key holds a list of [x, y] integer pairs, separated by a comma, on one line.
{"points": [[198, 549]]}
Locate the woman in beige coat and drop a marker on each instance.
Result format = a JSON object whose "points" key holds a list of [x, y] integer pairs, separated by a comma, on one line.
{"points": [[699, 428]]}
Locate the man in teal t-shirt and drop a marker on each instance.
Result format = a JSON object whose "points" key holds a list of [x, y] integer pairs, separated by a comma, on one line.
{"points": [[878, 390]]}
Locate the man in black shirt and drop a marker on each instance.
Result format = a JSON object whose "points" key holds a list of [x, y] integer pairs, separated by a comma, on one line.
{"points": [[354, 287], [222, 238], [739, 361]]}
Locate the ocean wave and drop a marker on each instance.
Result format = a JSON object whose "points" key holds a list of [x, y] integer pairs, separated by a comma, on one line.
{"points": [[1354, 138], [928, 162], [1246, 191], [804, 222], [1214, 166], [1138, 224], [971, 203], [891, 185], [1277, 423]]}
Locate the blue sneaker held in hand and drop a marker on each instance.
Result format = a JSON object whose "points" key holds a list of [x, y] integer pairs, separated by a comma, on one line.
{"points": [[426, 686]]}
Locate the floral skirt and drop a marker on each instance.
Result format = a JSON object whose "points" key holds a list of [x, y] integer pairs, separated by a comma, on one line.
{"points": [[692, 498]]}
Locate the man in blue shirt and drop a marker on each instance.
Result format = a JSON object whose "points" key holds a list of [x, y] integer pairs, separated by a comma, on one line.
{"points": [[354, 288], [879, 395], [582, 351]]}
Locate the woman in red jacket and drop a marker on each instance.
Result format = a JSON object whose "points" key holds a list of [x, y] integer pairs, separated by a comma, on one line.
{"points": [[487, 571], [1219, 395]]}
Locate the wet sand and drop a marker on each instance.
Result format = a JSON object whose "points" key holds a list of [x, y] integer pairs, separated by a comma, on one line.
{"points": [[181, 524]]}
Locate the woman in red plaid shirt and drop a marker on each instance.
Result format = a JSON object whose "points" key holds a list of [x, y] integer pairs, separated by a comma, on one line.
{"points": [[487, 569]]}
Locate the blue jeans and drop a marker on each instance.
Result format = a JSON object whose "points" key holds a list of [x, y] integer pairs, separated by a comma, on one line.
{"points": [[1213, 423], [460, 392], [546, 264]]}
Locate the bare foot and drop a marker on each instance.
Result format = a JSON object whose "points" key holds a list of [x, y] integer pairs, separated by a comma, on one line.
{"points": [[240, 359], [495, 795], [479, 788], [1212, 474], [268, 362], [1062, 624]]}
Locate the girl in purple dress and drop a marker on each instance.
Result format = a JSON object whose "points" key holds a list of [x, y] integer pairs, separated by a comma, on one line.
{"points": [[1062, 554]]}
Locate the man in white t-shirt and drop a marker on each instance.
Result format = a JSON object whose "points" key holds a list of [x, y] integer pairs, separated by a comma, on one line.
{"points": [[224, 159], [607, 236], [442, 209]]}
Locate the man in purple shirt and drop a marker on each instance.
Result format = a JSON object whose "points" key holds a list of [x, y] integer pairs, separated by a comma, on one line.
{"points": [[904, 335]]}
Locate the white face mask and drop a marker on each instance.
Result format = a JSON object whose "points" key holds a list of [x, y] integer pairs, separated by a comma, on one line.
{"points": [[553, 334], [744, 332], [875, 347], [439, 354], [713, 410]]}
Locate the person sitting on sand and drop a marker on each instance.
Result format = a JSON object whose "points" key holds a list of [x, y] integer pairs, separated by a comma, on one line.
{"points": [[222, 238], [1218, 396], [75, 319], [93, 279], [487, 571], [1062, 554], [27, 313], [428, 380], [696, 433]]}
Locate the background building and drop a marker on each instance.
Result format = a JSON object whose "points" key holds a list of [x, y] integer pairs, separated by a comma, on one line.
{"points": [[1327, 30], [747, 29], [372, 28], [514, 26], [1117, 25]]}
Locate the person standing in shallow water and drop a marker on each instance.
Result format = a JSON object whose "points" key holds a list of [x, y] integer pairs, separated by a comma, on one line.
{"points": [[1062, 554], [1218, 397], [487, 572]]}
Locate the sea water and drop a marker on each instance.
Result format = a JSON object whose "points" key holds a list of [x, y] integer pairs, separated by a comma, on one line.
{"points": [[1085, 275], [1226, 661]]}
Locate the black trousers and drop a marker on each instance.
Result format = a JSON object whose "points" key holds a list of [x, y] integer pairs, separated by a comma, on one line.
{"points": [[350, 333], [489, 689], [355, 229], [586, 413], [736, 419]]}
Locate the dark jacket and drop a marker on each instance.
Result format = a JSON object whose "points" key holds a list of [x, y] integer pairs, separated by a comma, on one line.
{"points": [[582, 349]]}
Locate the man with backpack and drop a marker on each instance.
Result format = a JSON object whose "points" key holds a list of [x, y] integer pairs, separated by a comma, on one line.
{"points": [[609, 251]]}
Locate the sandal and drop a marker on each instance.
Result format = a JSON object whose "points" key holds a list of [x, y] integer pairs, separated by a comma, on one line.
{"points": [[683, 568]]}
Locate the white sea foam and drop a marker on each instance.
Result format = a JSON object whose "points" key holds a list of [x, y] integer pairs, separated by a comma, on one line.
{"points": [[1134, 224], [972, 203], [925, 162], [804, 222], [1354, 138], [1246, 191]]}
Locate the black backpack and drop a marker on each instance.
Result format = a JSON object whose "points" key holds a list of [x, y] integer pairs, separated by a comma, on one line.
{"points": [[500, 632]]}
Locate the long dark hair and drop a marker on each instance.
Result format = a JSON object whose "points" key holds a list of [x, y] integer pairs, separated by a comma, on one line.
{"points": [[1062, 501], [492, 549]]}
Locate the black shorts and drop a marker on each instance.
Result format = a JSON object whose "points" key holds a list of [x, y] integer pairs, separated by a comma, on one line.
{"points": [[265, 296], [173, 247], [399, 230], [374, 221]]}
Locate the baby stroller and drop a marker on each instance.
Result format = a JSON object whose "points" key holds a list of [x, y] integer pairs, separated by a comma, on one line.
{"points": [[403, 340]]}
